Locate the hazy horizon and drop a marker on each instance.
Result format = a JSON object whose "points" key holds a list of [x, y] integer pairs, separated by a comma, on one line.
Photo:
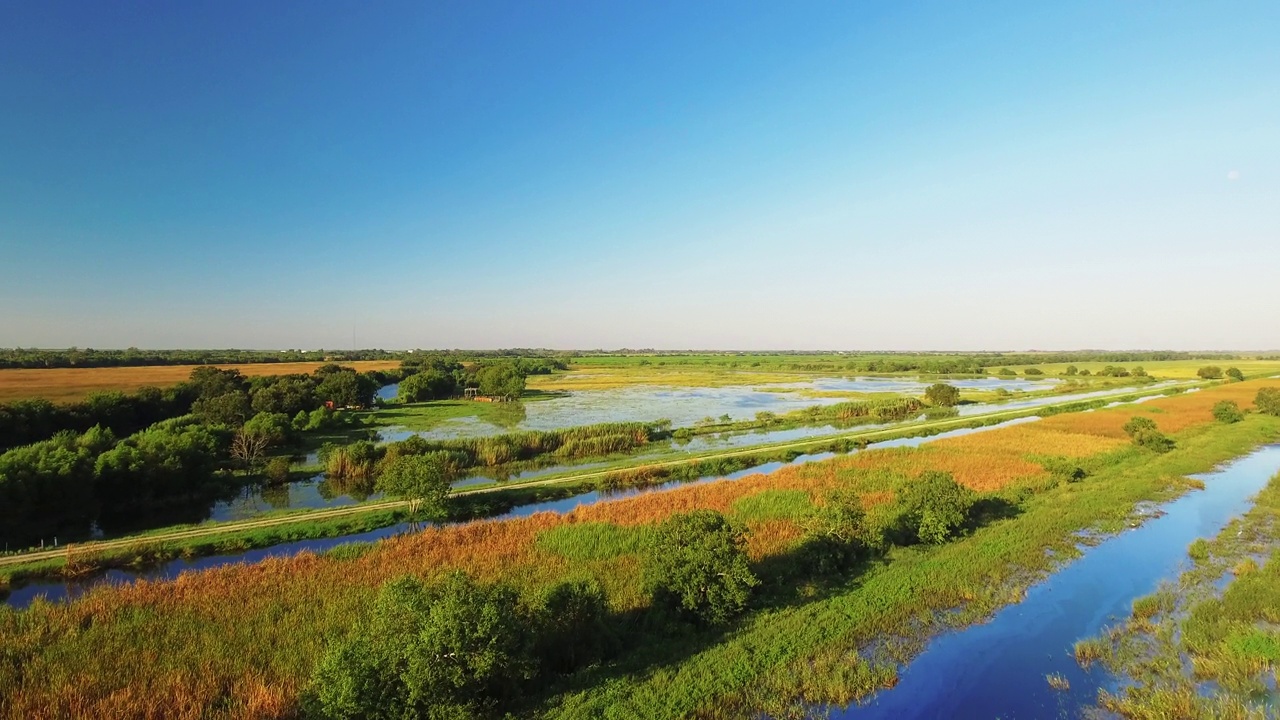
{"points": [[807, 176], [685, 351]]}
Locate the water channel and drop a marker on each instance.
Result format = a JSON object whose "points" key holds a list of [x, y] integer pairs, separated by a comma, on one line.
{"points": [[998, 669]]}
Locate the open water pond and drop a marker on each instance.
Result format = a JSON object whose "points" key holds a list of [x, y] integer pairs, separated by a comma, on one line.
{"points": [[685, 406], [60, 590], [998, 669], [317, 492]]}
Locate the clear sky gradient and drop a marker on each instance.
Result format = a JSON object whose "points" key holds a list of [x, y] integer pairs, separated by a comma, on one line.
{"points": [[848, 175]]}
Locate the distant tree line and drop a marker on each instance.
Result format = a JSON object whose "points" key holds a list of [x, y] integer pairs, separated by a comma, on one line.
{"points": [[133, 357], [439, 377], [933, 363]]}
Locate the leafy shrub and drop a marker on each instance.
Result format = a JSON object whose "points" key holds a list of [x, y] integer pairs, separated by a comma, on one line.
{"points": [[1145, 434], [939, 412], [423, 480], [1268, 401], [1235, 374], [1228, 412], [574, 629], [277, 470], [697, 565], [942, 394], [935, 506], [1210, 372], [837, 534], [448, 651]]}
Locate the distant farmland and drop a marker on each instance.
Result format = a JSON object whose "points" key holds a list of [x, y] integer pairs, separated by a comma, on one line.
{"points": [[71, 384]]}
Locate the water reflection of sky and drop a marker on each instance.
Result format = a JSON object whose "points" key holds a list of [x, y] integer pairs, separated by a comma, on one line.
{"points": [[998, 668], [317, 492], [686, 406]]}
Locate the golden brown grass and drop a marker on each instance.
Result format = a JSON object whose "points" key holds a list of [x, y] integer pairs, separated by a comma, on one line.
{"points": [[63, 385], [1037, 438], [1171, 415]]}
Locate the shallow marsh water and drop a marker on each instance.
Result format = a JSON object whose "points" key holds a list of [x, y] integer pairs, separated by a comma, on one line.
{"points": [[998, 669], [685, 406]]}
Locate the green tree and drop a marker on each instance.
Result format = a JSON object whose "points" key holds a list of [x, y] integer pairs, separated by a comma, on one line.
{"points": [[423, 480], [942, 394], [1033, 371], [1268, 401], [1071, 370], [210, 382], [837, 534], [1235, 374], [289, 396], [426, 385], [167, 460], [347, 388], [935, 507], [1144, 433], [1227, 411], [500, 380], [574, 629], [449, 651], [230, 409], [697, 564], [1210, 372], [275, 427], [277, 470]]}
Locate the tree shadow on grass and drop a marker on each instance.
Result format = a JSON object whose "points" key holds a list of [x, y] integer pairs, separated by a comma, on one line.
{"points": [[656, 638], [992, 508]]}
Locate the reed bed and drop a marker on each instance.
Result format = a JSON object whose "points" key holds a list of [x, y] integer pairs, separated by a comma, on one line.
{"points": [[1036, 438], [240, 641]]}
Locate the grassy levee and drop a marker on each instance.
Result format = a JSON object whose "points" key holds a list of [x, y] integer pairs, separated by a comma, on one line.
{"points": [[1205, 646], [478, 501], [241, 641]]}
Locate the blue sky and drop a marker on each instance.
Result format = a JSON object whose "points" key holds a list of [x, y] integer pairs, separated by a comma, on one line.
{"points": [[850, 175]]}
